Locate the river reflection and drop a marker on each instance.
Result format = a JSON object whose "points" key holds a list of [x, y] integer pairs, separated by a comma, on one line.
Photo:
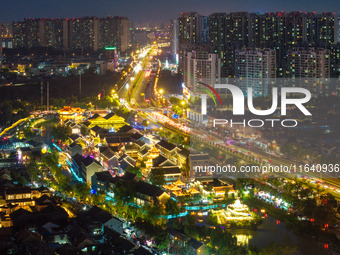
{"points": [[272, 230]]}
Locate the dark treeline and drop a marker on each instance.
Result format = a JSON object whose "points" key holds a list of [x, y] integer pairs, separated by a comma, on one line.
{"points": [[92, 84]]}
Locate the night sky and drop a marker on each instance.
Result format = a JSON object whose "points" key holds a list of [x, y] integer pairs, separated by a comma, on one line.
{"points": [[150, 10]]}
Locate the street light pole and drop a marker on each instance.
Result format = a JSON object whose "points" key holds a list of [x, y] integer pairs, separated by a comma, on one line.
{"points": [[48, 96], [42, 93], [80, 85]]}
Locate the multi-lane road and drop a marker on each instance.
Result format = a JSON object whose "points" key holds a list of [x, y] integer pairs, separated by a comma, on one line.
{"points": [[134, 89]]}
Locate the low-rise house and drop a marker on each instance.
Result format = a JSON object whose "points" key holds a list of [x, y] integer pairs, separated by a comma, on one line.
{"points": [[88, 167], [148, 194], [141, 145], [75, 138], [108, 158], [177, 238], [171, 173], [96, 219], [79, 238], [162, 161], [197, 161], [24, 196], [5, 175], [183, 157], [126, 129], [22, 218], [167, 149], [143, 153], [103, 182], [54, 234], [76, 163], [131, 150], [197, 247], [96, 132], [75, 148], [223, 190], [5, 220], [136, 137], [126, 161], [118, 140], [75, 128]]}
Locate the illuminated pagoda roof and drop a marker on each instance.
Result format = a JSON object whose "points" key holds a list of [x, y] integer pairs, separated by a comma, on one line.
{"points": [[192, 190], [179, 183], [172, 187]]}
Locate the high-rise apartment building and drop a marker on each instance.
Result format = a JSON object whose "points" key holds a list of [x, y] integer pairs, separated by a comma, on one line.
{"points": [[338, 29], [83, 33], [189, 28], [77, 33], [279, 31], [255, 68], [106, 32], [228, 32], [309, 63], [51, 33], [174, 39], [19, 34], [335, 61], [6, 30], [218, 38], [201, 66], [121, 32], [0, 53], [326, 32], [6, 34]]}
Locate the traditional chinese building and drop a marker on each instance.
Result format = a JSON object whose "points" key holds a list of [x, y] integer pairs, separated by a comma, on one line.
{"points": [[68, 112], [110, 121]]}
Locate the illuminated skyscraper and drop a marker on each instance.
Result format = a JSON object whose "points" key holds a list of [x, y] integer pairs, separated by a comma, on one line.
{"points": [[106, 32], [51, 33], [189, 28], [309, 63], [327, 33], [121, 33], [0, 53], [83, 33], [201, 66], [279, 31], [174, 39], [6, 34]]}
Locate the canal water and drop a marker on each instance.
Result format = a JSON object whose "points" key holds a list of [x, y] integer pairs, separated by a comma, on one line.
{"points": [[273, 231]]}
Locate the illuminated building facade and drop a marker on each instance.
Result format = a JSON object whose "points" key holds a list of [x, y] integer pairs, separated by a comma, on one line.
{"points": [[106, 32], [200, 66], [68, 112], [309, 63], [90, 33], [6, 36], [109, 121], [121, 33], [83, 33], [278, 31], [255, 68]]}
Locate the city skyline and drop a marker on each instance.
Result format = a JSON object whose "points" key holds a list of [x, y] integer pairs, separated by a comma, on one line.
{"points": [[151, 11]]}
